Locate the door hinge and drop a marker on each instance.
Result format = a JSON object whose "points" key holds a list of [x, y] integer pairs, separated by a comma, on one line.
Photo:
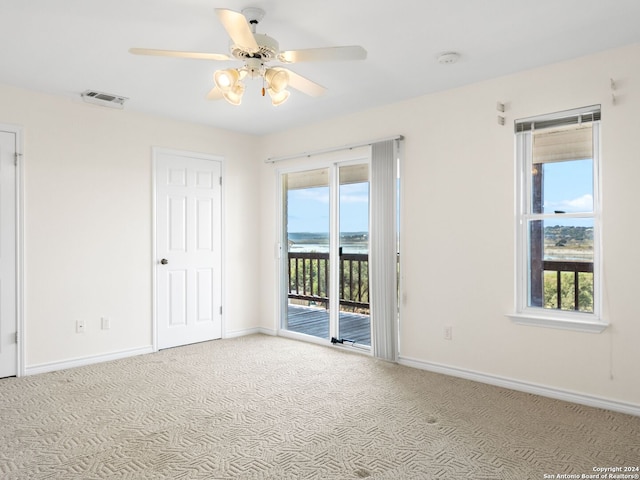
{"points": [[16, 156], [220, 309], [16, 338], [220, 181]]}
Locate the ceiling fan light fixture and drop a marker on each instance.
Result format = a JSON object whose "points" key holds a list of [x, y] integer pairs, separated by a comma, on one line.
{"points": [[278, 98], [227, 79], [277, 79], [234, 95]]}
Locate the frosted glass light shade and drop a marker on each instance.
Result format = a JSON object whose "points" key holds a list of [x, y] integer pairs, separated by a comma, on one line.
{"points": [[277, 79], [278, 98], [234, 95], [225, 80]]}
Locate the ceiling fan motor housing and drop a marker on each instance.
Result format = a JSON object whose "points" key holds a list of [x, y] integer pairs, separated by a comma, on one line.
{"points": [[268, 49]]}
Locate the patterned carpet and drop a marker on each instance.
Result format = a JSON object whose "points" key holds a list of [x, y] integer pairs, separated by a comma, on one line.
{"points": [[261, 407]]}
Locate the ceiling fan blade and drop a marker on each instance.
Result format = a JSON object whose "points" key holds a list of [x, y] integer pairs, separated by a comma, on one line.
{"points": [[214, 94], [304, 84], [238, 29], [354, 52], [178, 54]]}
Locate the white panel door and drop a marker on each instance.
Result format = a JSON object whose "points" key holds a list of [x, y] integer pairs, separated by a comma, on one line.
{"points": [[8, 318], [188, 247]]}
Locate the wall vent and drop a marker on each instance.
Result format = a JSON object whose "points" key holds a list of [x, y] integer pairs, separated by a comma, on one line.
{"points": [[104, 99]]}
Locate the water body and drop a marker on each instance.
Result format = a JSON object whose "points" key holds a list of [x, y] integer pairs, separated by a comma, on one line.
{"points": [[351, 242]]}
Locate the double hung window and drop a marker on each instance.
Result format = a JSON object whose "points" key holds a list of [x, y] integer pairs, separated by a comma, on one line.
{"points": [[558, 238]]}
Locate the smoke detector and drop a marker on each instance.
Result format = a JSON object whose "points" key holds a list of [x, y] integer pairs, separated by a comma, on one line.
{"points": [[103, 99], [448, 58]]}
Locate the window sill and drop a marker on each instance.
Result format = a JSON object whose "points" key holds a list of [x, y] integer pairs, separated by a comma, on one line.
{"points": [[577, 325]]}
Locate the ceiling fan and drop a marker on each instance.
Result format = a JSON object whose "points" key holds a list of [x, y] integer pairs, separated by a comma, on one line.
{"points": [[256, 50]]}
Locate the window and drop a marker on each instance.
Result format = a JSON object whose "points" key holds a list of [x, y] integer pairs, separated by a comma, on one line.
{"points": [[558, 238]]}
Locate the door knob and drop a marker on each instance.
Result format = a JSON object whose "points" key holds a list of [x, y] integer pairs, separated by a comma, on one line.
{"points": [[164, 261]]}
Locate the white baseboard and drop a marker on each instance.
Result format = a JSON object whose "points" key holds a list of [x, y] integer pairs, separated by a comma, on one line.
{"points": [[249, 331], [545, 391], [89, 360], [82, 361], [267, 331]]}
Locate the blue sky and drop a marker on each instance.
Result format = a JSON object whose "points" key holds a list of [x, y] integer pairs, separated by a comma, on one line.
{"points": [[309, 209], [568, 186]]}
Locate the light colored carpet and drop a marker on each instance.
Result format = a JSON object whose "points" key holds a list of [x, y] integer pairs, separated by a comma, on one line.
{"points": [[262, 407]]}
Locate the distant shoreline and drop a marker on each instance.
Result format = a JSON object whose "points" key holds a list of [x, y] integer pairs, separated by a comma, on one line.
{"points": [[350, 242]]}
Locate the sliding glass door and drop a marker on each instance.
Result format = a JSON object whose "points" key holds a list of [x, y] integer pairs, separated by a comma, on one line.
{"points": [[326, 259], [354, 321], [307, 221]]}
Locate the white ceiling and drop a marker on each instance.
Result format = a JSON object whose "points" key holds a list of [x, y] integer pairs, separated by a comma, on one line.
{"points": [[64, 47]]}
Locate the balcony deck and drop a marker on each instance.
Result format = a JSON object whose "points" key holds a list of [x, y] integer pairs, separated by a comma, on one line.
{"points": [[315, 321]]}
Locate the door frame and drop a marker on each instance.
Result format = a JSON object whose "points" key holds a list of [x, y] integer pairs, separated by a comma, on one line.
{"points": [[155, 151], [19, 238]]}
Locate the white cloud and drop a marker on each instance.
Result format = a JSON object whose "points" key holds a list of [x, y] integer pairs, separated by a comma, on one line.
{"points": [[313, 194], [583, 203], [354, 198], [580, 204]]}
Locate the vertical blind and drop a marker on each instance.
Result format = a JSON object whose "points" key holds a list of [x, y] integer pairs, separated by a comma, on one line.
{"points": [[383, 254]]}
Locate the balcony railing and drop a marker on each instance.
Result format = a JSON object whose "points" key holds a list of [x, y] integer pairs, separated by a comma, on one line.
{"points": [[309, 281], [309, 278], [563, 272]]}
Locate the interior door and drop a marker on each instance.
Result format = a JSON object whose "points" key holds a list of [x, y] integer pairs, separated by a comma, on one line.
{"points": [[188, 249], [8, 317]]}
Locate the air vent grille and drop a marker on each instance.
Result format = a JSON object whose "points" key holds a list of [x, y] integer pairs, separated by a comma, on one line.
{"points": [[104, 99]]}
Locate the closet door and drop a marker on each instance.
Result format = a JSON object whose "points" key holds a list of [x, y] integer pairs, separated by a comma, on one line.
{"points": [[188, 248]]}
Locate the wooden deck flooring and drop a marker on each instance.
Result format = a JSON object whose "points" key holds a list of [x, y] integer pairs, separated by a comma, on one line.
{"points": [[315, 321]]}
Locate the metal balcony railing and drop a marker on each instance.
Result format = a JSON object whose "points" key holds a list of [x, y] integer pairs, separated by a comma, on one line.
{"points": [[576, 268], [309, 278]]}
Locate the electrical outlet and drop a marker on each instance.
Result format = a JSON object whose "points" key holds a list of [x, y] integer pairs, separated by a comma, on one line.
{"points": [[106, 323], [80, 326], [448, 332]]}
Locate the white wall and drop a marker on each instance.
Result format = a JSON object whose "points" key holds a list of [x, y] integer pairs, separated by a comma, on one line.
{"points": [[88, 222], [458, 224]]}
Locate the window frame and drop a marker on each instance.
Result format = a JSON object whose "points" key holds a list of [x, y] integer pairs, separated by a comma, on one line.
{"points": [[540, 316]]}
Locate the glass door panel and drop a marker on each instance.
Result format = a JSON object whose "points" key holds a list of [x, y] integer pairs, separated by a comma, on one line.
{"points": [[307, 226], [354, 323]]}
